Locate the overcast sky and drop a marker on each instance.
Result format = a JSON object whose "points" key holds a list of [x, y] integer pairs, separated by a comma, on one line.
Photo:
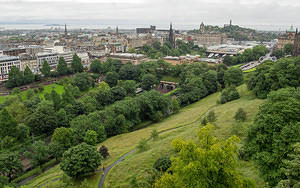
{"points": [[157, 12]]}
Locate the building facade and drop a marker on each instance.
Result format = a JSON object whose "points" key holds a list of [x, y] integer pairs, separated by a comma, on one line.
{"points": [[286, 38], [51, 58], [30, 62], [209, 39], [296, 50], [6, 62], [14, 51]]}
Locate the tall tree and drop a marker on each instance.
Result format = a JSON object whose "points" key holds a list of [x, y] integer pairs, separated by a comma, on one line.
{"points": [[15, 77], [233, 76], [10, 165], [28, 76], [76, 64], [212, 163], [148, 81], [62, 67], [56, 99], [80, 160], [112, 78], [83, 81], [96, 66], [7, 124], [39, 153], [46, 69]]}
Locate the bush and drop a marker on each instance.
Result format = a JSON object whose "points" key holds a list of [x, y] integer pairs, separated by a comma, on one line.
{"points": [[154, 134], [41, 87], [211, 117], [240, 115], [104, 151], [48, 164], [229, 94], [35, 171], [143, 146], [162, 163]]}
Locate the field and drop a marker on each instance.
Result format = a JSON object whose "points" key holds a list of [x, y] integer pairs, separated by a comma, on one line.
{"points": [[170, 79], [120, 175], [47, 89]]}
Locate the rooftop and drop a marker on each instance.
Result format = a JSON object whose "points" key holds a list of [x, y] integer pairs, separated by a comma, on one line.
{"points": [[8, 58]]}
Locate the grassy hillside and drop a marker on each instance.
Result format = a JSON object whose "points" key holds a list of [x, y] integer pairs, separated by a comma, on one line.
{"points": [[121, 174]]}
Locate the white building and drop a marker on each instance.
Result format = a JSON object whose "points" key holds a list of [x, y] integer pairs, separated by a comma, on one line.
{"points": [[6, 62], [51, 58], [68, 56]]}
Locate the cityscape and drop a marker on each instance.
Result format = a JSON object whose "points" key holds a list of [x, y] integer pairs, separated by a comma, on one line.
{"points": [[148, 94]]}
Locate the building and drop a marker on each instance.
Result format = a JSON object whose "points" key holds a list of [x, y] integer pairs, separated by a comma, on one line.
{"points": [[286, 38], [171, 36], [6, 62], [146, 30], [296, 50], [29, 61], [85, 59], [51, 58], [33, 49], [136, 59], [68, 56], [205, 39], [14, 51]]}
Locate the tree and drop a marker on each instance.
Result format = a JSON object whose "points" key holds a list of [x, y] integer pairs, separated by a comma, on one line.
{"points": [[55, 97], [162, 164], [39, 153], [62, 118], [90, 137], [143, 145], [67, 97], [22, 132], [204, 121], [211, 163], [7, 124], [278, 53], [211, 117], [15, 77], [42, 120], [28, 76], [130, 87], [210, 81], [148, 81], [76, 64], [96, 66], [83, 81], [63, 136], [45, 69], [104, 151], [80, 160], [104, 95], [229, 94], [10, 165], [275, 130], [288, 48], [118, 93], [154, 134], [233, 76], [240, 115], [292, 169], [129, 72], [62, 67], [112, 78]]}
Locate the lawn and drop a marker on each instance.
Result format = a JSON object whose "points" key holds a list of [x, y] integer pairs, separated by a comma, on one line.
{"points": [[136, 162], [250, 70], [170, 79], [47, 89]]}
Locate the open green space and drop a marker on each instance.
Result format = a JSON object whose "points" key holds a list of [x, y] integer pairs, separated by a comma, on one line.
{"points": [[136, 162], [170, 79]]}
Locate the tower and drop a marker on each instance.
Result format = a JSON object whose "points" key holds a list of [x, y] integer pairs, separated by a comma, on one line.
{"points": [[117, 30], [202, 28], [296, 50], [66, 32], [230, 24], [171, 36]]}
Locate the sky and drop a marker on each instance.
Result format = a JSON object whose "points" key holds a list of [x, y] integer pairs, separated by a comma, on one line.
{"points": [[134, 13]]}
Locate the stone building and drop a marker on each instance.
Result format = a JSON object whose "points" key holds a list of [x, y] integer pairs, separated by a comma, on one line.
{"points": [[29, 61], [206, 39], [6, 62], [286, 38], [296, 50]]}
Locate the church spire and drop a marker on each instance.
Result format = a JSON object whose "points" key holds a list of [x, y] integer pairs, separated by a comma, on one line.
{"points": [[66, 32]]}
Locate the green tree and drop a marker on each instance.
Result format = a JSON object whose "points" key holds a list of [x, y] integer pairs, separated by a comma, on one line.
{"points": [[90, 137], [7, 124], [22, 132], [10, 165], [39, 153], [240, 115], [104, 151], [275, 130], [62, 67], [278, 53], [130, 87], [163, 163], [15, 78], [143, 145], [213, 162], [42, 120], [62, 118], [233, 76], [129, 72], [154, 134], [63, 136], [67, 97], [118, 93], [76, 64], [96, 66], [28, 76], [288, 48], [112, 78], [211, 117], [80, 160], [83, 81], [229, 94], [45, 69], [148, 81], [104, 95], [56, 99]]}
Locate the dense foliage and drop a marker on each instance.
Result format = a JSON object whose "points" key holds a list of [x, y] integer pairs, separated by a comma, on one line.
{"points": [[276, 128]]}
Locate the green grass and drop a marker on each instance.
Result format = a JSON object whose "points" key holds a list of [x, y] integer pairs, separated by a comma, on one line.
{"points": [[250, 70], [47, 89], [237, 66], [118, 145], [170, 79]]}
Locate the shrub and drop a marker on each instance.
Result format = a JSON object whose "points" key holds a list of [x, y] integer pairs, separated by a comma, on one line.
{"points": [[104, 151], [143, 146], [154, 134], [229, 94], [211, 117], [162, 163], [240, 115]]}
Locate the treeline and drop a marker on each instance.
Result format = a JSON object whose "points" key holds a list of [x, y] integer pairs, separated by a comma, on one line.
{"points": [[271, 76], [156, 50], [248, 55], [287, 50], [18, 78]]}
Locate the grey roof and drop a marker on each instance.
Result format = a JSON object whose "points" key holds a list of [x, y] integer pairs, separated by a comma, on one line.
{"points": [[8, 58]]}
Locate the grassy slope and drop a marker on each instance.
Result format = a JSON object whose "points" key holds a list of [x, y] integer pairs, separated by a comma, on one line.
{"points": [[170, 79], [120, 175]]}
